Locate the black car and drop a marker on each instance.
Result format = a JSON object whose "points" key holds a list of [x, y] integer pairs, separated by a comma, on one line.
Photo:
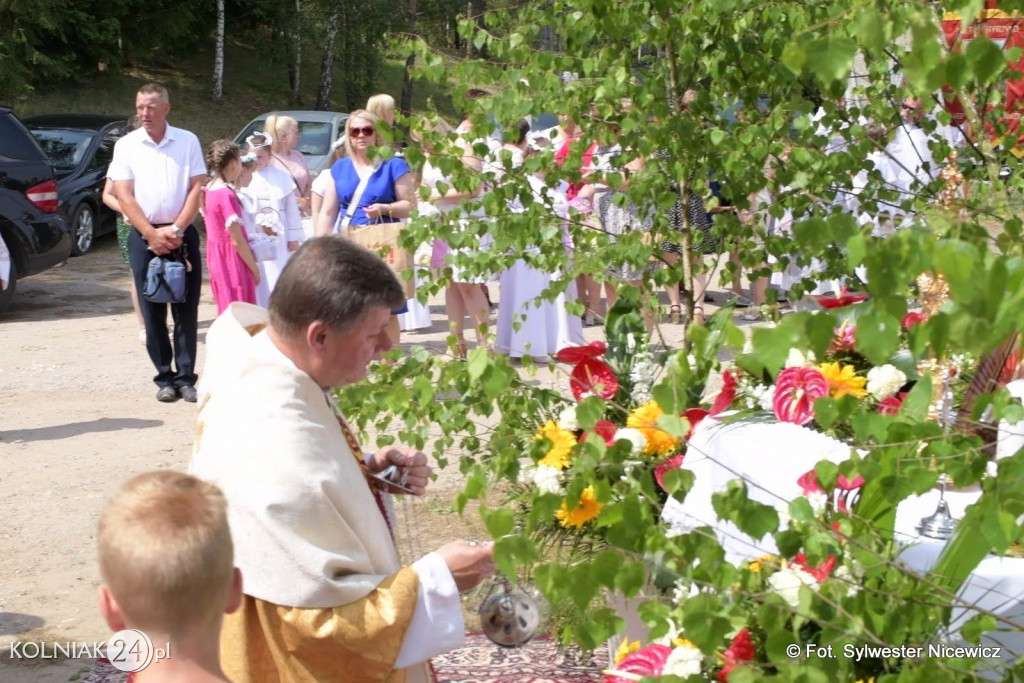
{"points": [[33, 232], [80, 147]]}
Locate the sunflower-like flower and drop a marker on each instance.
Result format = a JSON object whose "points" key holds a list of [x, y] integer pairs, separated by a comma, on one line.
{"points": [[645, 419], [562, 441], [625, 647], [843, 380], [585, 511]]}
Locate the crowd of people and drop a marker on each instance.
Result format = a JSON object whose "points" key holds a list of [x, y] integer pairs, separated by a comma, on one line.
{"points": [[285, 523]]}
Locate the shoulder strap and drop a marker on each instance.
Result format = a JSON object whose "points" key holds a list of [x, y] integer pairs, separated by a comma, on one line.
{"points": [[356, 196]]}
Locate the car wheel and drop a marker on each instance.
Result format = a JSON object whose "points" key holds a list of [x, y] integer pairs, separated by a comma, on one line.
{"points": [[83, 229], [7, 295]]}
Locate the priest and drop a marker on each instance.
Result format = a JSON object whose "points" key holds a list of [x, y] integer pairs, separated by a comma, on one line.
{"points": [[326, 597]]}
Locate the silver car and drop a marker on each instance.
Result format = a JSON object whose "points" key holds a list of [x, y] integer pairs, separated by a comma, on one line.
{"points": [[317, 130]]}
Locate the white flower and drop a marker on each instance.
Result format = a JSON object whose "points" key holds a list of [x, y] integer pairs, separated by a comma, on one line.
{"points": [[634, 436], [763, 396], [884, 381], [798, 359], [818, 501], [787, 581], [548, 480], [567, 419], [843, 573], [683, 661], [783, 511]]}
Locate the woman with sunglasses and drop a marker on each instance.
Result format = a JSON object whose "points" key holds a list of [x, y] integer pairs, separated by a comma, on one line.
{"points": [[366, 189]]}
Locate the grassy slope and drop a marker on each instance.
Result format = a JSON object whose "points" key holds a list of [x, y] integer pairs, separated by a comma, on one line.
{"points": [[252, 86]]}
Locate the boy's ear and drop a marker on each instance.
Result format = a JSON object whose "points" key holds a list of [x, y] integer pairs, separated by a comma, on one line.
{"points": [[110, 610], [235, 595]]}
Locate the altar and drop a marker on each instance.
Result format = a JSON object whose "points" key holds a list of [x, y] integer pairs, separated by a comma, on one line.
{"points": [[770, 457]]}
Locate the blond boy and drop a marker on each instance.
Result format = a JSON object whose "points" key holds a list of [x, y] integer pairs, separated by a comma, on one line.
{"points": [[168, 570]]}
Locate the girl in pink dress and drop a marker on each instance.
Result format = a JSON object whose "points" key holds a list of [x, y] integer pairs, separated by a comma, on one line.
{"points": [[233, 270]]}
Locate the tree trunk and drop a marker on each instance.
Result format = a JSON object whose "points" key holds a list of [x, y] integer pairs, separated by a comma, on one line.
{"points": [[410, 61], [218, 60], [296, 68], [323, 97]]}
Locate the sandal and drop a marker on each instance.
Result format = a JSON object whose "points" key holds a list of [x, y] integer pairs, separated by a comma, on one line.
{"points": [[675, 314], [698, 316]]}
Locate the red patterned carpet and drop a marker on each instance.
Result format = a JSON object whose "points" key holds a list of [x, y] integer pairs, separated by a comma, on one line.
{"points": [[539, 661], [480, 661]]}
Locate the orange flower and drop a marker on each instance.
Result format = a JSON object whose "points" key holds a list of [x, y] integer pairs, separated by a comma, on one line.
{"points": [[585, 511], [645, 419], [843, 380]]}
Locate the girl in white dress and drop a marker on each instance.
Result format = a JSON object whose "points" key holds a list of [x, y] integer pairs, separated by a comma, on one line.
{"points": [[528, 325], [271, 191]]}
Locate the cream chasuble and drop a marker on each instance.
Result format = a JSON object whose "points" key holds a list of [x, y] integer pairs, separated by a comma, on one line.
{"points": [[326, 598]]}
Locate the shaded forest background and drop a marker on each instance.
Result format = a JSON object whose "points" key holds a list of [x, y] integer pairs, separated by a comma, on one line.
{"points": [[77, 55]]}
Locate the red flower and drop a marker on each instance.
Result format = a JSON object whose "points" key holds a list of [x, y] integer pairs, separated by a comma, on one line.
{"points": [[578, 354], [673, 463], [844, 339], [726, 395], [593, 376], [809, 483], [820, 572], [913, 318], [604, 429], [846, 485], [830, 301], [892, 405], [649, 661], [741, 650], [694, 416], [796, 390]]}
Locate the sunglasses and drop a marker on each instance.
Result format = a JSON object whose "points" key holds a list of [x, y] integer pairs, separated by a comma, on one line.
{"points": [[365, 131]]}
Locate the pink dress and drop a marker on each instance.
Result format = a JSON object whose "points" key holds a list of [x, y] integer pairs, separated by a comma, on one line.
{"points": [[230, 279], [298, 169]]}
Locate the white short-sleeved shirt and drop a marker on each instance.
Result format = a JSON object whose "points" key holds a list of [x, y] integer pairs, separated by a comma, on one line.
{"points": [[162, 172]]}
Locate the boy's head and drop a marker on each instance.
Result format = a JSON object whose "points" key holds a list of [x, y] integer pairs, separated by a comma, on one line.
{"points": [[166, 556]]}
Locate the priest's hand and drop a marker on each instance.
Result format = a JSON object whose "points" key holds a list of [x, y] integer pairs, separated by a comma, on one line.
{"points": [[470, 562], [412, 463]]}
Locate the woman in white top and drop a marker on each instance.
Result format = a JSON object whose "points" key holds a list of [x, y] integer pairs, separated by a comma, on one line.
{"points": [[464, 295], [270, 197]]}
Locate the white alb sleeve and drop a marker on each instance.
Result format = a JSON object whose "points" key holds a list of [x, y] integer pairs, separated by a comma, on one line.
{"points": [[437, 626]]}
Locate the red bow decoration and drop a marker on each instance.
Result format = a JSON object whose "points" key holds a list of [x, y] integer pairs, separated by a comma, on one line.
{"points": [[591, 375], [830, 301]]}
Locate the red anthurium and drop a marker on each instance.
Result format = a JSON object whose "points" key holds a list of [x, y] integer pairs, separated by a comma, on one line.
{"points": [[913, 318], [593, 376], [648, 661], [891, 405], [1009, 370], [673, 463], [576, 354], [830, 301], [604, 429], [848, 485], [741, 650], [796, 390], [694, 417], [809, 483], [726, 395], [820, 572]]}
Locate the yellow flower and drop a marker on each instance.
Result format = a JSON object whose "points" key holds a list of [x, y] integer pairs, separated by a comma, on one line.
{"points": [[586, 510], [683, 642], [843, 380], [645, 418], [756, 564], [625, 647], [562, 441]]}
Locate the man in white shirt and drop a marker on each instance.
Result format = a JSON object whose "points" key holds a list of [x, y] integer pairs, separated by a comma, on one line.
{"points": [[158, 173]]}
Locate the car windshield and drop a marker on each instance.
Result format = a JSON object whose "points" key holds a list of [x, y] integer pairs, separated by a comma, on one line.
{"points": [[314, 136], [65, 147]]}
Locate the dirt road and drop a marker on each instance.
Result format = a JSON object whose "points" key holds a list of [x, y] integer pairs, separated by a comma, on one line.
{"points": [[78, 416]]}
